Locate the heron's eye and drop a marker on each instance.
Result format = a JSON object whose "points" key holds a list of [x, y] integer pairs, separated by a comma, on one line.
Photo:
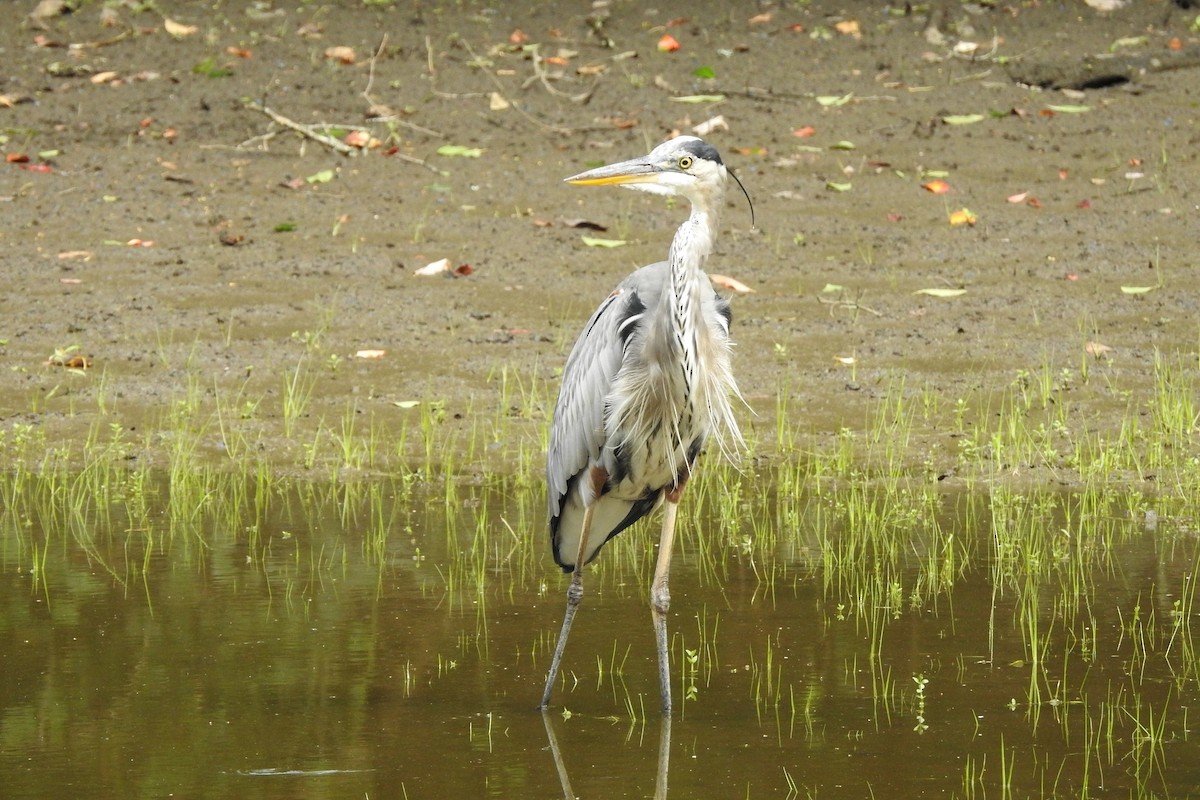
{"points": [[685, 162]]}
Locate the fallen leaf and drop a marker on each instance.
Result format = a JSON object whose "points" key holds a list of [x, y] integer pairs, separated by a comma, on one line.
{"points": [[406, 403], [843, 145], [74, 255], [459, 151], [1084, 204], [592, 241], [370, 354], [759, 19], [937, 187], [1070, 109], [585, 224], [358, 139], [103, 77], [238, 52], [37, 167], [178, 29], [140, 243], [464, 270], [69, 361], [1137, 289], [962, 119], [964, 216], [434, 267], [832, 101], [732, 284], [711, 124], [496, 102], [70, 281], [699, 98], [542, 223], [835, 186], [341, 54], [16, 158], [1018, 198], [668, 44], [1096, 349], [847, 360], [49, 8], [941, 292], [804, 132], [518, 37], [849, 27]]}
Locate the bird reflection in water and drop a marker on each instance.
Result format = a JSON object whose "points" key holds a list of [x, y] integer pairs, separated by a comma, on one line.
{"points": [[664, 757]]}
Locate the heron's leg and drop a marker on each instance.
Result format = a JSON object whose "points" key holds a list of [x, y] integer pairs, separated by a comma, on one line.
{"points": [[660, 597], [574, 596]]}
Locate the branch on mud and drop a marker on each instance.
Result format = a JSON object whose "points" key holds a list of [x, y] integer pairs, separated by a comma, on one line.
{"points": [[313, 132], [540, 75], [381, 112], [545, 126], [307, 131]]}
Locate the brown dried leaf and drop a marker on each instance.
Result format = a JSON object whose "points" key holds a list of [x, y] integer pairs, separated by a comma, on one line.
{"points": [[178, 29], [732, 284], [585, 224], [341, 54]]}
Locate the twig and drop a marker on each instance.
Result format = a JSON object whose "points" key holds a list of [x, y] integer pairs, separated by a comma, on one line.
{"points": [[546, 126], [102, 43], [375, 106], [542, 76], [433, 76], [307, 131]]}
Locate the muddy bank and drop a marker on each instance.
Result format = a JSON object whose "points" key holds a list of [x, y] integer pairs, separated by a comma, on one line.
{"points": [[208, 262]]}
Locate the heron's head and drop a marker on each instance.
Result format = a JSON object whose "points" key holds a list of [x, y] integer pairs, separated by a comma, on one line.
{"points": [[684, 166]]}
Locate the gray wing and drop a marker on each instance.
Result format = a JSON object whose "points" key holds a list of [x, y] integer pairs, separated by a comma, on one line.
{"points": [[577, 434]]}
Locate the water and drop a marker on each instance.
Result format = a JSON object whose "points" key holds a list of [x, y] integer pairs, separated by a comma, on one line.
{"points": [[217, 637]]}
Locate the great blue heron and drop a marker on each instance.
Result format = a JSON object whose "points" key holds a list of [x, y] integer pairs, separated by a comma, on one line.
{"points": [[646, 384]]}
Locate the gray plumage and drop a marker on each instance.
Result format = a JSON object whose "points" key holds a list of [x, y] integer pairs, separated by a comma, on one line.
{"points": [[647, 384]]}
